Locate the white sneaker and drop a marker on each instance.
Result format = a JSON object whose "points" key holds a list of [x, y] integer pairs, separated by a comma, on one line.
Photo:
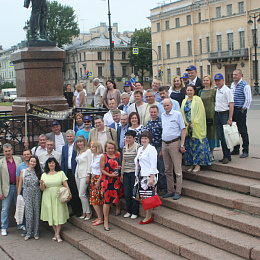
{"points": [[134, 216], [4, 232], [22, 227], [127, 215]]}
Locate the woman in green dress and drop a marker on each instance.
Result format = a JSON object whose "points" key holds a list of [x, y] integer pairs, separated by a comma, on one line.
{"points": [[52, 210], [208, 94]]}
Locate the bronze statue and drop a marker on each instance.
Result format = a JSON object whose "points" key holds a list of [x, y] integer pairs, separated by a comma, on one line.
{"points": [[38, 19]]}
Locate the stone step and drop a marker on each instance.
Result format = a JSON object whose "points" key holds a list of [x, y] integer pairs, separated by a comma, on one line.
{"points": [[226, 198], [218, 236], [90, 245], [171, 240], [234, 219], [223, 180], [132, 245]]}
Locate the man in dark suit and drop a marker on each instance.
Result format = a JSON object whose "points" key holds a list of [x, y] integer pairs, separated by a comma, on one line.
{"points": [[68, 165], [116, 114], [194, 80]]}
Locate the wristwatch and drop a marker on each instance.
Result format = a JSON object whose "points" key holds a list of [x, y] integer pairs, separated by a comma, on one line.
{"points": [[182, 145], [230, 119]]}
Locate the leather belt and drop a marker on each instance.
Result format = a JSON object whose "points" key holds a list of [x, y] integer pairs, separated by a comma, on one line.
{"points": [[13, 183], [222, 112], [172, 141]]}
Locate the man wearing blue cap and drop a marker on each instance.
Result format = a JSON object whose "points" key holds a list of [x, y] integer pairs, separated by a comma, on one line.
{"points": [[194, 80], [224, 107], [185, 78], [58, 137], [87, 120]]}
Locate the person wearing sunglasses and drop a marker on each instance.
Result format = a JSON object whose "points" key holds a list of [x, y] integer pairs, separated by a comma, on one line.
{"points": [[87, 120]]}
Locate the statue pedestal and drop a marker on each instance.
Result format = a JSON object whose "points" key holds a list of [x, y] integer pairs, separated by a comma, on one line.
{"points": [[39, 78]]}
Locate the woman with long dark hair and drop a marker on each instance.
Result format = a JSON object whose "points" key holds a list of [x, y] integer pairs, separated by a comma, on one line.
{"points": [[111, 92], [29, 180]]}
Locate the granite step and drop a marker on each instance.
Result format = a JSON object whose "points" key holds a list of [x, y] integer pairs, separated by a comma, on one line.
{"points": [[223, 180], [130, 244], [171, 240], [225, 198], [91, 246], [234, 219], [218, 236]]}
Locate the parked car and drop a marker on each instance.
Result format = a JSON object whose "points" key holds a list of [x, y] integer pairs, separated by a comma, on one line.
{"points": [[8, 94]]}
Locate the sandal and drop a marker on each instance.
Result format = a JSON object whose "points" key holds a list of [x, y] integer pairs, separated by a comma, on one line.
{"points": [[54, 238], [106, 228], [98, 222], [93, 221], [59, 240]]}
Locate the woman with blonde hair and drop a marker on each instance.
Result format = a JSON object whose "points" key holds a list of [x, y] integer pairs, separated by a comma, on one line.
{"points": [[175, 90], [82, 172], [80, 99], [208, 94], [111, 184], [96, 194]]}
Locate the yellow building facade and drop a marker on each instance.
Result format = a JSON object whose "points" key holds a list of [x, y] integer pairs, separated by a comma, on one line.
{"points": [[213, 35]]}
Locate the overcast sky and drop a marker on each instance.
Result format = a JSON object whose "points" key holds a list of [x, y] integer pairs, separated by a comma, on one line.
{"points": [[129, 14]]}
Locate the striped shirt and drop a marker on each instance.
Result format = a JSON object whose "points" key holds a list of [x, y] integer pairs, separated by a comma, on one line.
{"points": [[128, 164]]}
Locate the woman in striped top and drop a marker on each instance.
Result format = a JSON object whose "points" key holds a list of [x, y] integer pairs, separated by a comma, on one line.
{"points": [[128, 174]]}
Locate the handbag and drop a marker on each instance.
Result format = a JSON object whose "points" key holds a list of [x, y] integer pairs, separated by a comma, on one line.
{"points": [[19, 212], [151, 202], [231, 135], [63, 194]]}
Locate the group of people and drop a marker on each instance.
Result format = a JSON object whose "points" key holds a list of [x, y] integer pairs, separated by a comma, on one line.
{"points": [[135, 150]]}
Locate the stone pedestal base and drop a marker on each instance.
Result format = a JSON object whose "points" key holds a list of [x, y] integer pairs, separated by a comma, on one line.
{"points": [[39, 78]]}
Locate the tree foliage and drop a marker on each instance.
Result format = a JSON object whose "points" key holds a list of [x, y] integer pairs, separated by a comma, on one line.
{"points": [[61, 25], [143, 60], [7, 84]]}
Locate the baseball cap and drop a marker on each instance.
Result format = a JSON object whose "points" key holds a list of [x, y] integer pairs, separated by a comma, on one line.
{"points": [[127, 84], [53, 123], [191, 67], [185, 76], [218, 76], [87, 118]]}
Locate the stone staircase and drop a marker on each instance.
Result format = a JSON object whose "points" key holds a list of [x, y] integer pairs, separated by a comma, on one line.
{"points": [[216, 218]]}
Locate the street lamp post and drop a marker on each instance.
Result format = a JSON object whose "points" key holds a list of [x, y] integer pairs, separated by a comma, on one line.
{"points": [[112, 75], [26, 28], [255, 45]]}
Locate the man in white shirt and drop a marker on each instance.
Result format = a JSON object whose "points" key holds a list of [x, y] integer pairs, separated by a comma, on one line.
{"points": [[242, 101], [108, 118], [58, 137], [173, 138], [224, 107], [138, 86], [49, 153], [100, 89], [41, 147]]}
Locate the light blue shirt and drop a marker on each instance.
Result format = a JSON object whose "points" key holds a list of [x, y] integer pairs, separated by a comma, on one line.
{"points": [[158, 97], [172, 125], [122, 136], [20, 167], [125, 109], [82, 132], [175, 106]]}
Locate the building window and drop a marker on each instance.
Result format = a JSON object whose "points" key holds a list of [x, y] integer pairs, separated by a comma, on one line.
{"points": [[168, 76], [168, 51], [199, 17], [219, 42], [123, 55], [159, 52], [230, 41], [229, 9], [80, 72], [167, 25], [189, 48], [242, 39], [178, 71], [200, 46], [241, 7], [68, 74], [124, 71], [201, 72], [208, 69], [178, 49], [99, 55], [100, 72], [158, 27], [218, 11], [177, 22], [208, 43], [188, 19]]}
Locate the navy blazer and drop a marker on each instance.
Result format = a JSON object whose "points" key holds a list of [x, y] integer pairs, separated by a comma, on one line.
{"points": [[119, 133], [64, 159], [198, 86], [113, 125]]}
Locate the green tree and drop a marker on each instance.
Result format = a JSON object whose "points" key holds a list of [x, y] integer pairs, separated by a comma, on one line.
{"points": [[143, 60], [7, 84], [61, 25]]}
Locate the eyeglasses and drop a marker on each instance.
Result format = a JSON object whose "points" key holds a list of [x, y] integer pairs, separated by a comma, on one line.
{"points": [[87, 121]]}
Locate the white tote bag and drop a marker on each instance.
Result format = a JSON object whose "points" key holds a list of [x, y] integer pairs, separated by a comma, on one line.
{"points": [[19, 212], [231, 135]]}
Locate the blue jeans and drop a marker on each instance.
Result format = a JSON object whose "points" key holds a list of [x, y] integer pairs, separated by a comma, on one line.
{"points": [[221, 119], [162, 183], [132, 205], [6, 203]]}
